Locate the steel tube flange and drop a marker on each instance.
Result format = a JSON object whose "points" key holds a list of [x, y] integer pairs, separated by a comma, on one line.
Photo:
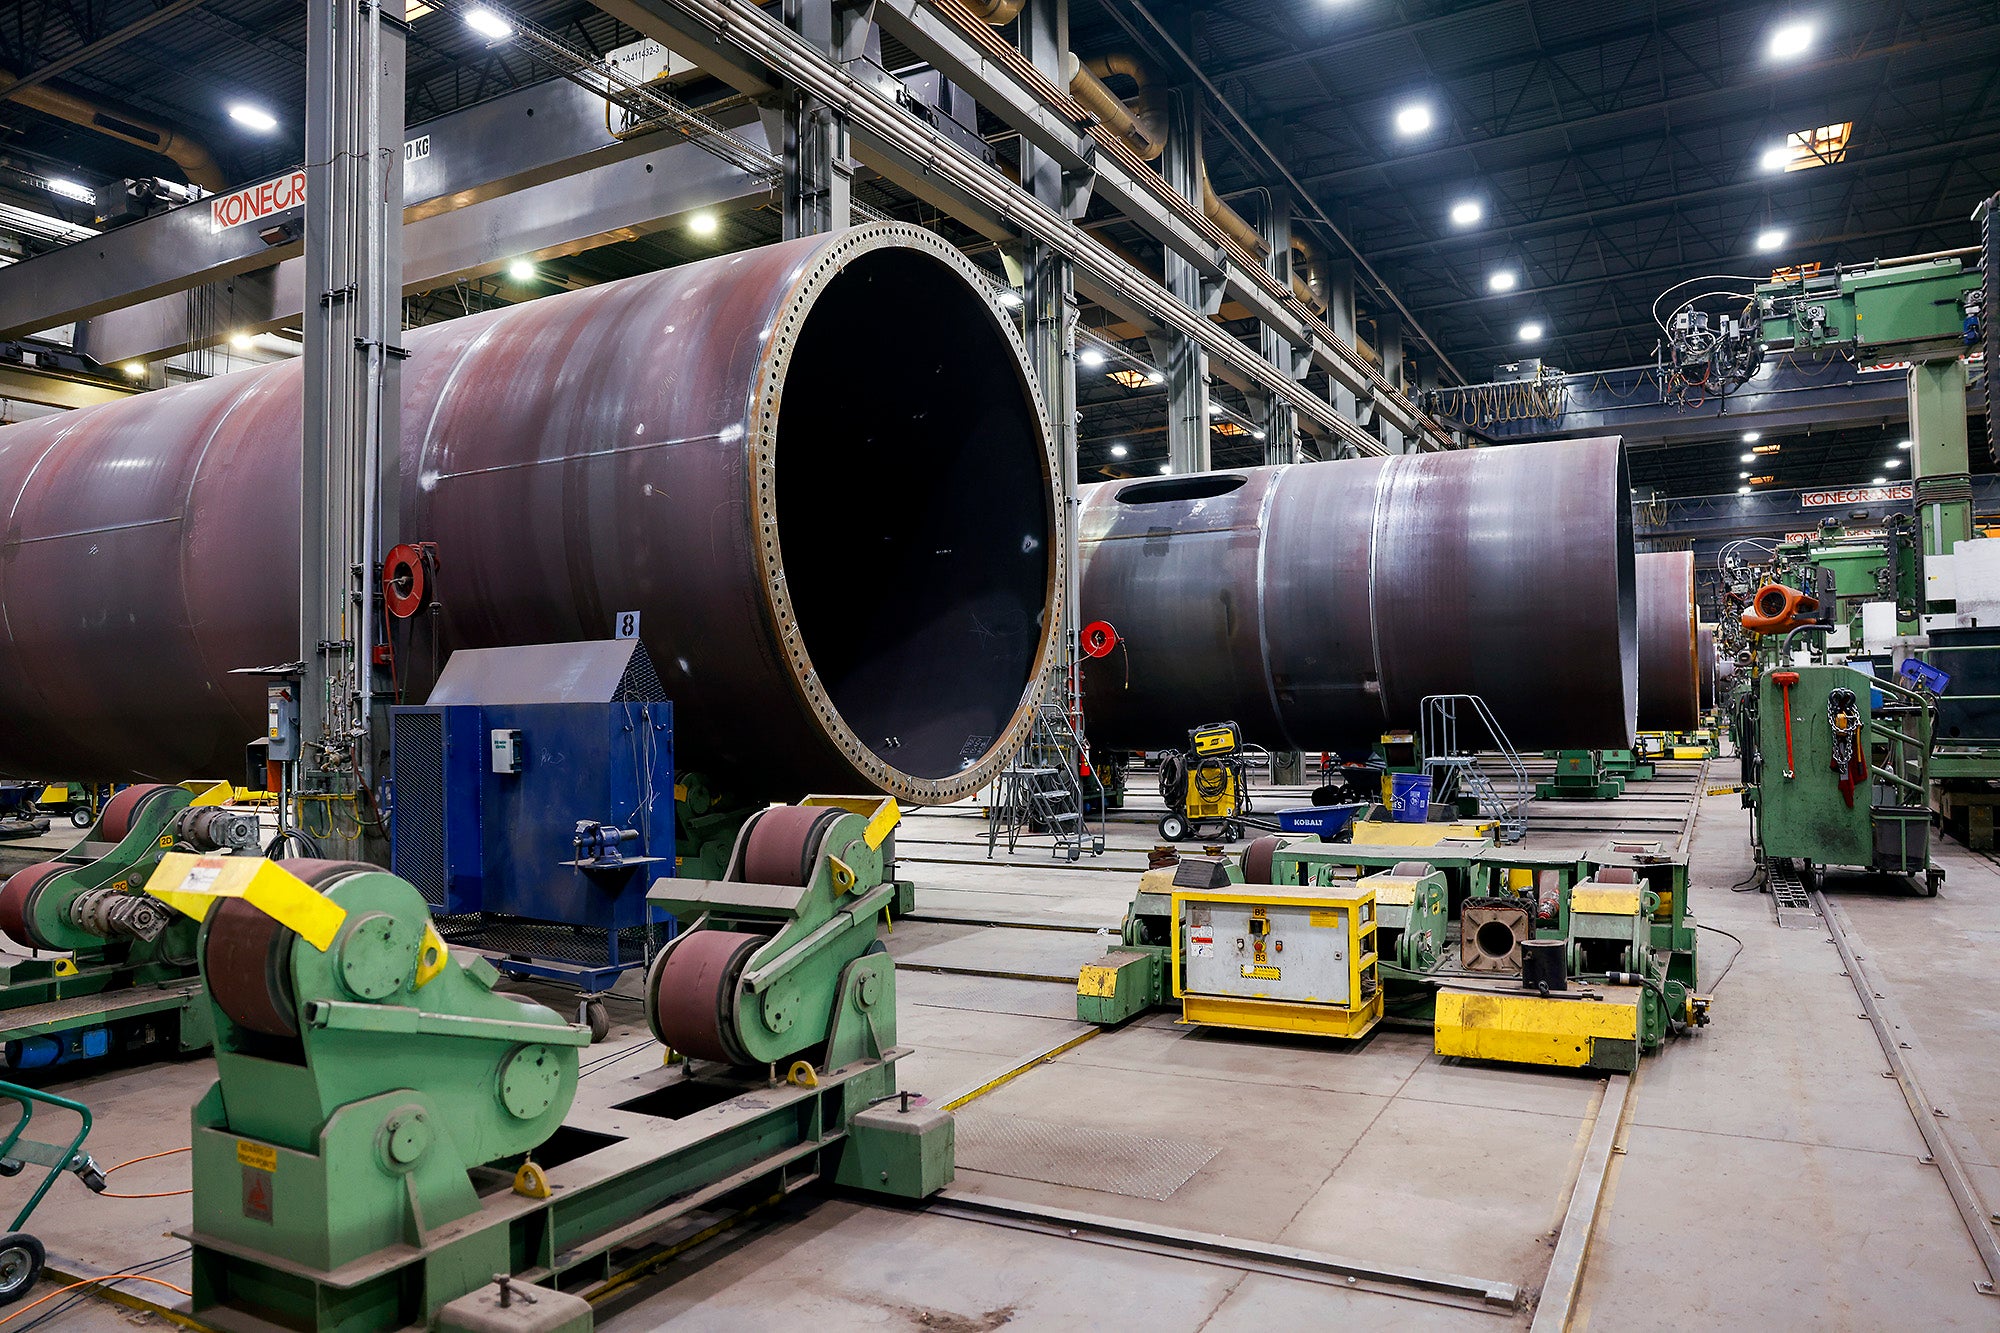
{"points": [[1317, 604], [723, 447]]}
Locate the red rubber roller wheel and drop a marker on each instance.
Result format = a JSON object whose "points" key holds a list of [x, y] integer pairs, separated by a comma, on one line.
{"points": [[247, 956], [783, 845], [692, 994], [17, 902], [1257, 859], [116, 821]]}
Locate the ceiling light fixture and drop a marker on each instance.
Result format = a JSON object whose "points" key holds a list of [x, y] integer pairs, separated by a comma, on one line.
{"points": [[1902, 444], [252, 117], [1157, 377], [1770, 238], [1775, 159], [1413, 119], [1166, 469], [1503, 281], [1879, 481], [1118, 451], [1010, 299], [1749, 458], [1466, 212], [521, 270], [1791, 40], [703, 224], [69, 189], [1090, 358], [240, 341], [135, 370], [488, 24], [1752, 436], [1531, 332]]}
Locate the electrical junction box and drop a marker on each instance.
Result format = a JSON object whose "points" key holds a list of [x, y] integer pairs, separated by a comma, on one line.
{"points": [[505, 743], [1256, 958], [281, 722]]}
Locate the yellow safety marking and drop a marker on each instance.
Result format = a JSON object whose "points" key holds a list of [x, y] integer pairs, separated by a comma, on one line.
{"points": [[1390, 891], [1604, 902], [531, 1182], [192, 885], [218, 793], [1253, 972], [1338, 919], [1527, 1029], [1520, 877], [680, 791], [843, 874], [1046, 1057], [802, 1075], [261, 1156], [882, 811], [1097, 979], [431, 957], [65, 967]]}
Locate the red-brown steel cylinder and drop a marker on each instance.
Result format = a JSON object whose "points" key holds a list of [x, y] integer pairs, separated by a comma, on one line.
{"points": [[1317, 604], [1669, 645], [819, 470]]}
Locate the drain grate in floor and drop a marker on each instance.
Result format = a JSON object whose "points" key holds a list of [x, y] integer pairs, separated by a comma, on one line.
{"points": [[1090, 1159]]}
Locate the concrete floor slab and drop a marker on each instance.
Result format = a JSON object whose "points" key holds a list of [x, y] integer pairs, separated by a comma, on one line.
{"points": [[1054, 954]]}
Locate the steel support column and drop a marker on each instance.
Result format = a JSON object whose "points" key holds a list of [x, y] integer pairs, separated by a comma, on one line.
{"points": [[1337, 285], [1277, 417], [1940, 463], [818, 171], [1185, 363], [1389, 345], [353, 248]]}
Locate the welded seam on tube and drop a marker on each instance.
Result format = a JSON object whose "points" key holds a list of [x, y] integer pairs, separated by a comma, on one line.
{"points": [[1263, 638], [1375, 630]]}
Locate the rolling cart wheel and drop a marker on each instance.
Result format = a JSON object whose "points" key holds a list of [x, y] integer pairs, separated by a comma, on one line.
{"points": [[594, 1013], [1932, 878], [21, 1257], [1173, 827], [79, 815], [1232, 832], [11, 1166]]}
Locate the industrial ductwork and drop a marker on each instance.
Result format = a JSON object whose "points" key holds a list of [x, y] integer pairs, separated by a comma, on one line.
{"points": [[842, 537], [1316, 604], [1670, 677], [186, 152]]}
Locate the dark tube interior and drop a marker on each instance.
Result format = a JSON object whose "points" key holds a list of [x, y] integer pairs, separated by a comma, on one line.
{"points": [[913, 511]]}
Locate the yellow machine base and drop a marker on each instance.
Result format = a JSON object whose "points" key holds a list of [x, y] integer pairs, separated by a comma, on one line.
{"points": [[1394, 833], [1314, 1020], [1529, 1030]]}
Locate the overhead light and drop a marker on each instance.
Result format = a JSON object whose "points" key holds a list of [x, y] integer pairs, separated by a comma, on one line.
{"points": [[1466, 212], [1157, 377], [1770, 238], [1504, 281], [1752, 436], [703, 224], [240, 341], [1413, 119], [1743, 490], [1009, 298], [521, 270], [1879, 481], [1902, 444], [1119, 451], [135, 370], [488, 24], [1256, 434], [1531, 332], [252, 117], [1215, 409], [1090, 358], [1790, 40], [1166, 469], [69, 189], [1892, 462], [1775, 159], [1744, 475], [1750, 457]]}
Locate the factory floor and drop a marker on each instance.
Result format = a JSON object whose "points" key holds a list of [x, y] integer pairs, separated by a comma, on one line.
{"points": [[1764, 1171]]}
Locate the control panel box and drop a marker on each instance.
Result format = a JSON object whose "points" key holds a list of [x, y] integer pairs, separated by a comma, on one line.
{"points": [[1258, 957]]}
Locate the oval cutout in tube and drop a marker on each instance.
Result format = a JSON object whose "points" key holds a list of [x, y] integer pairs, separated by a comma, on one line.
{"points": [[1201, 486]]}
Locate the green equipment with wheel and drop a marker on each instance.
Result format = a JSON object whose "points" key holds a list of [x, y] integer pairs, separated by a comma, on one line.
{"points": [[21, 1254], [119, 974], [389, 1129], [1207, 786], [1582, 775]]}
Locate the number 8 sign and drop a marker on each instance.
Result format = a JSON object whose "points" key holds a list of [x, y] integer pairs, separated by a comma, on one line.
{"points": [[628, 625]]}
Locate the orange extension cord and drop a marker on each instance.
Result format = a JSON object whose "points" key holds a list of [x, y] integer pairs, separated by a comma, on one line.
{"points": [[94, 1282], [165, 1194]]}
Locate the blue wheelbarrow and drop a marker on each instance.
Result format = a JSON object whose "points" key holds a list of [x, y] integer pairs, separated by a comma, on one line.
{"points": [[21, 1255]]}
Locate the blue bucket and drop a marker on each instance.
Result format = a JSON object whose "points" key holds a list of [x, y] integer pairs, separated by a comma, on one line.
{"points": [[1410, 797]]}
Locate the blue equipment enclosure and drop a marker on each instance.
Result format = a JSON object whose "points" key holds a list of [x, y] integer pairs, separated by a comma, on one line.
{"points": [[533, 816]]}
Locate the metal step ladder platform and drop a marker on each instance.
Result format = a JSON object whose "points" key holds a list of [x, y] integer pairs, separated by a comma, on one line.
{"points": [[1044, 791], [1447, 722]]}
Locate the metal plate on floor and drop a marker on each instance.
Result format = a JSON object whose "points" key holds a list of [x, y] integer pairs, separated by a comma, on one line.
{"points": [[1091, 1159]]}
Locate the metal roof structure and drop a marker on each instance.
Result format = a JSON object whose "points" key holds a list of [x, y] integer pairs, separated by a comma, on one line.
{"points": [[1611, 150]]}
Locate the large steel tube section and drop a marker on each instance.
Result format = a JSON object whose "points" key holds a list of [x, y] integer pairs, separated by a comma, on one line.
{"points": [[819, 470], [1669, 642], [1316, 604]]}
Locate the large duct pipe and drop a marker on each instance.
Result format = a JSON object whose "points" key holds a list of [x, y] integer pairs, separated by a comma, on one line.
{"points": [[1669, 647], [842, 537], [1315, 604], [126, 126], [1705, 665]]}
